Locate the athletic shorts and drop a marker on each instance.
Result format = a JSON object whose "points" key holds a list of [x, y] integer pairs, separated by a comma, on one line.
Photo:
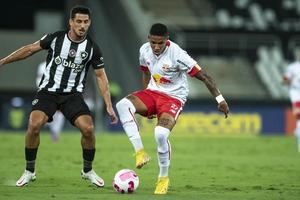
{"points": [[296, 108], [71, 105], [158, 103]]}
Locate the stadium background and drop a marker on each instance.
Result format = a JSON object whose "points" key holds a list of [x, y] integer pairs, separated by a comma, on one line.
{"points": [[244, 44]]}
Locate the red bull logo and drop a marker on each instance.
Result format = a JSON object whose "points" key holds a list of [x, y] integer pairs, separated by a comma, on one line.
{"points": [[160, 80]]}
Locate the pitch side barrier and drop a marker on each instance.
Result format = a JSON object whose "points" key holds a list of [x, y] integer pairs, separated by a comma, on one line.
{"points": [[246, 118]]}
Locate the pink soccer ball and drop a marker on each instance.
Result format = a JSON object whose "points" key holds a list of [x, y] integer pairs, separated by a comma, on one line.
{"points": [[126, 181]]}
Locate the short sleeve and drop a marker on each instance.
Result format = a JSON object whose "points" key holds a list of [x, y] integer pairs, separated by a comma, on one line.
{"points": [[97, 60], [187, 63], [46, 40], [143, 63]]}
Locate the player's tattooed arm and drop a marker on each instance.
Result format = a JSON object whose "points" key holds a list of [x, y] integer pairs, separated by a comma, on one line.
{"points": [[146, 79], [212, 87], [209, 82]]}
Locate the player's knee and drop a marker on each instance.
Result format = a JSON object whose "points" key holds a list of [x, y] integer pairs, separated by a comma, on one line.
{"points": [[162, 142], [87, 130], [122, 105], [34, 126], [125, 109], [160, 137], [161, 134]]}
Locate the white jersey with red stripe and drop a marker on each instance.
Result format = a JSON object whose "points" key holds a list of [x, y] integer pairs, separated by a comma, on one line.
{"points": [[293, 75], [168, 70]]}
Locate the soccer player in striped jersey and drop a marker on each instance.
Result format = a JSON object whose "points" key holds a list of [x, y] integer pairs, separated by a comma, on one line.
{"points": [[70, 53], [165, 66]]}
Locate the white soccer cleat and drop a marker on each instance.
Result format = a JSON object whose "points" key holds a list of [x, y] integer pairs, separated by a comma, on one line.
{"points": [[26, 177], [93, 177]]}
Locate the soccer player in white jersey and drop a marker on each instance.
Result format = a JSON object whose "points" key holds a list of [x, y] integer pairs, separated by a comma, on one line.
{"points": [[165, 69], [70, 53], [292, 79]]}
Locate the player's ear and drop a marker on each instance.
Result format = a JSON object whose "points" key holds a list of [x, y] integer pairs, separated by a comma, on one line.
{"points": [[70, 22]]}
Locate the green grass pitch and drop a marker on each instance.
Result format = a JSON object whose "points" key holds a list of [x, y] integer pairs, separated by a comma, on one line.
{"points": [[263, 167]]}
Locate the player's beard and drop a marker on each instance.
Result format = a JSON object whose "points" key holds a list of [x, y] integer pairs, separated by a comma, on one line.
{"points": [[81, 32]]}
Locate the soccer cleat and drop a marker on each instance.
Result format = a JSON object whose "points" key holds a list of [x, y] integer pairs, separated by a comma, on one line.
{"points": [[26, 177], [141, 158], [93, 177], [162, 185]]}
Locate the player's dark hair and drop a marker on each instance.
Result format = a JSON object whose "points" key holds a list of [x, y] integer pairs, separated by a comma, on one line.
{"points": [[159, 29], [79, 9]]}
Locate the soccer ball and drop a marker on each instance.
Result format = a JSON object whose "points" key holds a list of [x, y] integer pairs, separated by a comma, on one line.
{"points": [[126, 181]]}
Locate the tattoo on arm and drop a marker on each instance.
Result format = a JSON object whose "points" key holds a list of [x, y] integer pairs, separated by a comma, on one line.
{"points": [[146, 79], [209, 82]]}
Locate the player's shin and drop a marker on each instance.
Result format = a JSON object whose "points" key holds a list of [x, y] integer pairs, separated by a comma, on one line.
{"points": [[126, 112], [163, 150], [88, 158], [30, 156]]}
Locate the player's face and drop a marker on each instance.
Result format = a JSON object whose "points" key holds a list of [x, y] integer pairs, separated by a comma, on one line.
{"points": [[79, 25], [157, 43]]}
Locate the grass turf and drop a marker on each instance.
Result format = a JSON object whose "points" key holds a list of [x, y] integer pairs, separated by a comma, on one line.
{"points": [[201, 168]]}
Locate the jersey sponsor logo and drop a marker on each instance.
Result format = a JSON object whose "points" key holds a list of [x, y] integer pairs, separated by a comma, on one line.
{"points": [[72, 53], [76, 67], [83, 55], [179, 61], [35, 101], [158, 79]]}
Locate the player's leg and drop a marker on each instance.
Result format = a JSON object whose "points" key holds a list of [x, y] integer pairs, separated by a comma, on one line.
{"points": [[78, 113], [297, 131], [296, 111], [56, 125], [127, 107], [85, 124], [168, 112], [32, 140], [43, 108], [162, 131]]}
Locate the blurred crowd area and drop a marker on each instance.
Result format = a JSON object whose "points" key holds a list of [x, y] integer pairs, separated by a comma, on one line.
{"points": [[244, 44]]}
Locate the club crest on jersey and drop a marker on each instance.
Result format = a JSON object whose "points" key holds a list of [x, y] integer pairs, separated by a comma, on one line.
{"points": [[83, 55], [72, 53], [166, 68]]}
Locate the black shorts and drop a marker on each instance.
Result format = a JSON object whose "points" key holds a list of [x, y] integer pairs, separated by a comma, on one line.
{"points": [[71, 105]]}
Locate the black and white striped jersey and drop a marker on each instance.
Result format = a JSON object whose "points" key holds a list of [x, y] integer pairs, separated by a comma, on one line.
{"points": [[68, 62]]}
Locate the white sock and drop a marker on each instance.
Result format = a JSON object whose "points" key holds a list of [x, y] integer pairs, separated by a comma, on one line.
{"points": [[163, 150], [126, 112]]}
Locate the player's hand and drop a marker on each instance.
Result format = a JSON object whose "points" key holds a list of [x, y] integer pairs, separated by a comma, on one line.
{"points": [[223, 107], [113, 117]]}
